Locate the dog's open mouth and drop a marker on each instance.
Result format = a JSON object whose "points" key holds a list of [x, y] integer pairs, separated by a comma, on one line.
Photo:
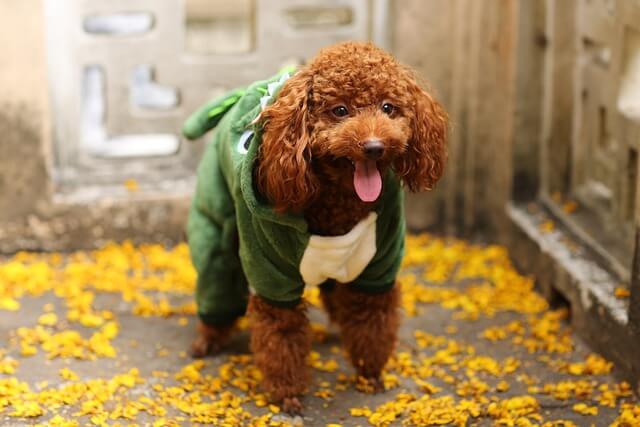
{"points": [[367, 180]]}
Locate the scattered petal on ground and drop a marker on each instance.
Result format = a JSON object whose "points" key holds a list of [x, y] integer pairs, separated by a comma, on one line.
{"points": [[99, 338]]}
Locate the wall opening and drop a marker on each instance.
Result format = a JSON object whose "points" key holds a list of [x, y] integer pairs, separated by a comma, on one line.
{"points": [[632, 179], [603, 136], [119, 24], [319, 17], [629, 95], [147, 94], [219, 27], [94, 132]]}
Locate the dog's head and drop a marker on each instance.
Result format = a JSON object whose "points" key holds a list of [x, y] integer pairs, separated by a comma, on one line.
{"points": [[348, 116]]}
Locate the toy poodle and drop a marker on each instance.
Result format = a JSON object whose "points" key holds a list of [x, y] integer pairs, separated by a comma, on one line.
{"points": [[302, 186]]}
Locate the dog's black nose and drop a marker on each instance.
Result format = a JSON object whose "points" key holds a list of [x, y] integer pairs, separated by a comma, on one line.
{"points": [[374, 148]]}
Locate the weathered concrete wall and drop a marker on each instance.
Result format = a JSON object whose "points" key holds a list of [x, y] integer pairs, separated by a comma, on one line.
{"points": [[531, 45], [423, 38], [577, 279], [466, 49], [575, 165], [30, 215], [24, 183], [538, 103], [33, 213], [497, 66]]}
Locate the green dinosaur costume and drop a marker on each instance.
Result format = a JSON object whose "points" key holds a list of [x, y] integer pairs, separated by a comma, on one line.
{"points": [[237, 240]]}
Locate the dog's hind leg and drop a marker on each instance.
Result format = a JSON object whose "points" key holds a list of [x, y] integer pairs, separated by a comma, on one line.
{"points": [[222, 299], [280, 342], [369, 326], [221, 296], [210, 339]]}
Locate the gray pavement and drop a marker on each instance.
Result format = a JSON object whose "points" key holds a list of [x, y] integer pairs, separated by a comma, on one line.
{"points": [[156, 347]]}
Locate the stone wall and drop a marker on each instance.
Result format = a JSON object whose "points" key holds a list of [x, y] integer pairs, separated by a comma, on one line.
{"points": [[503, 70], [30, 215], [445, 41], [544, 147], [24, 118], [466, 50], [40, 206]]}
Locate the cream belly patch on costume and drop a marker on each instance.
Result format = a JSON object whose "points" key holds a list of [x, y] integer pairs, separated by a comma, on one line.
{"points": [[341, 258]]}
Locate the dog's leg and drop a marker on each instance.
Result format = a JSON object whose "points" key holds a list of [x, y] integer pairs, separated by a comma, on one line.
{"points": [[210, 339], [369, 326], [280, 342]]}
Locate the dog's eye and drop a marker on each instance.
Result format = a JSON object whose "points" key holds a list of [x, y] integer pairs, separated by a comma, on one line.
{"points": [[340, 111], [388, 108]]}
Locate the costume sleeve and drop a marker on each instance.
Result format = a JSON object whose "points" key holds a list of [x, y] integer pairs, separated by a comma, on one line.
{"points": [[270, 255]]}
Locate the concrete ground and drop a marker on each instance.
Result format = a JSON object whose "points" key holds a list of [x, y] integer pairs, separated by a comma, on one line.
{"points": [[478, 347]]}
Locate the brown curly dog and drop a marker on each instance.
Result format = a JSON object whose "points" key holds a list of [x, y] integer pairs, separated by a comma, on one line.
{"points": [[338, 126]]}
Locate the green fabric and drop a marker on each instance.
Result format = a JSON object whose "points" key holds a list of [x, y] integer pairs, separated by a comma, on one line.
{"points": [[237, 239], [210, 114]]}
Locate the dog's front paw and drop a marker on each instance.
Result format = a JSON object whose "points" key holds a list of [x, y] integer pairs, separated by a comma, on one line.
{"points": [[292, 406], [370, 384], [376, 384]]}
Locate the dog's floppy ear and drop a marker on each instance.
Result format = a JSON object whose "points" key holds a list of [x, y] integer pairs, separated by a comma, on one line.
{"points": [[284, 173], [423, 163]]}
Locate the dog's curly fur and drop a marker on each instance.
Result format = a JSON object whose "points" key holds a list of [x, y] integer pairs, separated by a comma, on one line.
{"points": [[300, 127], [280, 342], [305, 165], [370, 346]]}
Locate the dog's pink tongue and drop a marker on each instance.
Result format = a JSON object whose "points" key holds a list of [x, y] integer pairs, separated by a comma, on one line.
{"points": [[367, 180]]}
